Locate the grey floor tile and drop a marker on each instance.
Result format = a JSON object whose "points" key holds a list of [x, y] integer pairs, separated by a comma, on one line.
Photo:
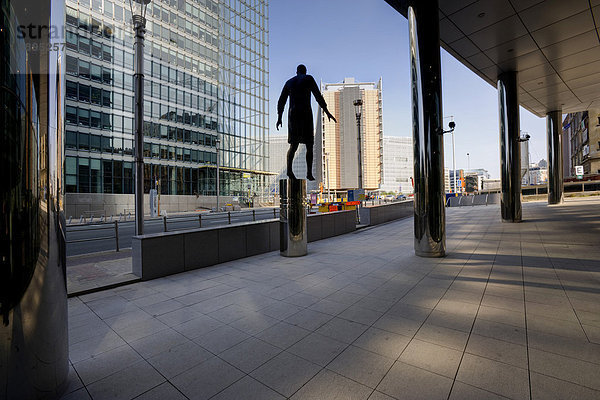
{"points": [[382, 342], [158, 342], [380, 396], [248, 388], [462, 391], [179, 359], [573, 348], [308, 319], [317, 348], [502, 315], [107, 363], [164, 391], [221, 339], [497, 330], [396, 324], [442, 336], [162, 307], [283, 335], [302, 299], [361, 315], [207, 379], [342, 330], [361, 366], [493, 376], [329, 307], [568, 369], [198, 326], [92, 347], [74, 382], [432, 357], [254, 323], [126, 384], [453, 320], [547, 388], [329, 385], [79, 394], [286, 373], [249, 354], [281, 310], [498, 350], [230, 313], [411, 383], [179, 316], [570, 329]]}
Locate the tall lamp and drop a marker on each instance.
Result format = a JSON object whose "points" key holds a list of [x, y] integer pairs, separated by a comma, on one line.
{"points": [[358, 111], [138, 10]]}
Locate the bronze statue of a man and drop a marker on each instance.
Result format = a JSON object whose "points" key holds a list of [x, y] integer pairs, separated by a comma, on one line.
{"points": [[300, 117]]}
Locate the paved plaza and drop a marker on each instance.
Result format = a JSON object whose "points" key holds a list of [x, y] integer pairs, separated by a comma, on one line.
{"points": [[513, 311]]}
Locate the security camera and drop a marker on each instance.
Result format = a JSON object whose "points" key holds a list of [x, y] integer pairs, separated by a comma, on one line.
{"points": [[451, 124]]}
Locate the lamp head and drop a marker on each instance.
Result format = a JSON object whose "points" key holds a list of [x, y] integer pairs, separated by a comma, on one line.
{"points": [[452, 125]]}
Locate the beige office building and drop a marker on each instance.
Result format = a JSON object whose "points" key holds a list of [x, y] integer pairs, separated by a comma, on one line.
{"points": [[337, 144]]}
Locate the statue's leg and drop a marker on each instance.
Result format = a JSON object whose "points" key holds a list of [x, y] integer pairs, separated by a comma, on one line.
{"points": [[309, 162], [290, 160]]}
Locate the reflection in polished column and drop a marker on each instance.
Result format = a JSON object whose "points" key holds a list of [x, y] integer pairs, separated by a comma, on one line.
{"points": [[292, 217], [33, 294], [426, 85], [555, 162], [510, 150]]}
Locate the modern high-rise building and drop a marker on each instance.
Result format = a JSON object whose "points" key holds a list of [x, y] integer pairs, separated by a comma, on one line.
{"points": [[336, 144], [206, 79], [278, 147], [397, 164], [581, 142]]}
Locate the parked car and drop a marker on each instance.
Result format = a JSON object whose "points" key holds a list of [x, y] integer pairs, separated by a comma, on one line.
{"points": [[401, 197], [390, 197]]}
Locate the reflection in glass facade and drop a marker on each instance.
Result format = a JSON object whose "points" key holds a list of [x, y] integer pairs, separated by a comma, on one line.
{"points": [[205, 78]]}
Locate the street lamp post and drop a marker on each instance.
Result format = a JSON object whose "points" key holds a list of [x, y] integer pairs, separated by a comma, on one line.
{"points": [[453, 151], [218, 145], [358, 110], [468, 163], [138, 11]]}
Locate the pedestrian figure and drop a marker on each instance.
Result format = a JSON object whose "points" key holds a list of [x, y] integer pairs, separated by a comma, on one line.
{"points": [[300, 117]]}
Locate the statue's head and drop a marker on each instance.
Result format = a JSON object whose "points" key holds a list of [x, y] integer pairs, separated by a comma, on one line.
{"points": [[301, 69]]}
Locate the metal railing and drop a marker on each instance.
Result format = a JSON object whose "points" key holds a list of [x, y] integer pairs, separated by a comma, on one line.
{"points": [[97, 227], [172, 223], [168, 222]]}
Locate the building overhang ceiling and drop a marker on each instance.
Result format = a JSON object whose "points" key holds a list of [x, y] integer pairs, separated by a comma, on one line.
{"points": [[554, 45]]}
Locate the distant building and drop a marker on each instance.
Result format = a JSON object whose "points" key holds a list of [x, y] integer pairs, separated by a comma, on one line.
{"points": [[397, 164], [581, 142], [336, 144], [278, 147], [447, 188]]}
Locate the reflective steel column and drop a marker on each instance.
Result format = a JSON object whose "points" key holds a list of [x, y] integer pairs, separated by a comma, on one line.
{"points": [[510, 147], [428, 145], [555, 162], [292, 217], [33, 293]]}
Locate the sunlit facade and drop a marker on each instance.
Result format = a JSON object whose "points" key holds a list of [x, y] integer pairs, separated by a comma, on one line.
{"points": [[337, 143]]}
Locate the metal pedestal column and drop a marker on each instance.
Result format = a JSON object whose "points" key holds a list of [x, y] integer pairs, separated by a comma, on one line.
{"points": [[140, 30], [510, 147], [292, 217], [426, 85], [555, 162]]}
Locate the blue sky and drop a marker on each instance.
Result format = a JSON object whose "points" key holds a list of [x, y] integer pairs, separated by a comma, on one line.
{"points": [[368, 39]]}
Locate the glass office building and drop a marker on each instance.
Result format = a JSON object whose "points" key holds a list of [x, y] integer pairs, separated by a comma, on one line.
{"points": [[205, 79]]}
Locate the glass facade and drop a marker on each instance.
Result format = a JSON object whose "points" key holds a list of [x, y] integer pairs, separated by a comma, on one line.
{"points": [[191, 99]]}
